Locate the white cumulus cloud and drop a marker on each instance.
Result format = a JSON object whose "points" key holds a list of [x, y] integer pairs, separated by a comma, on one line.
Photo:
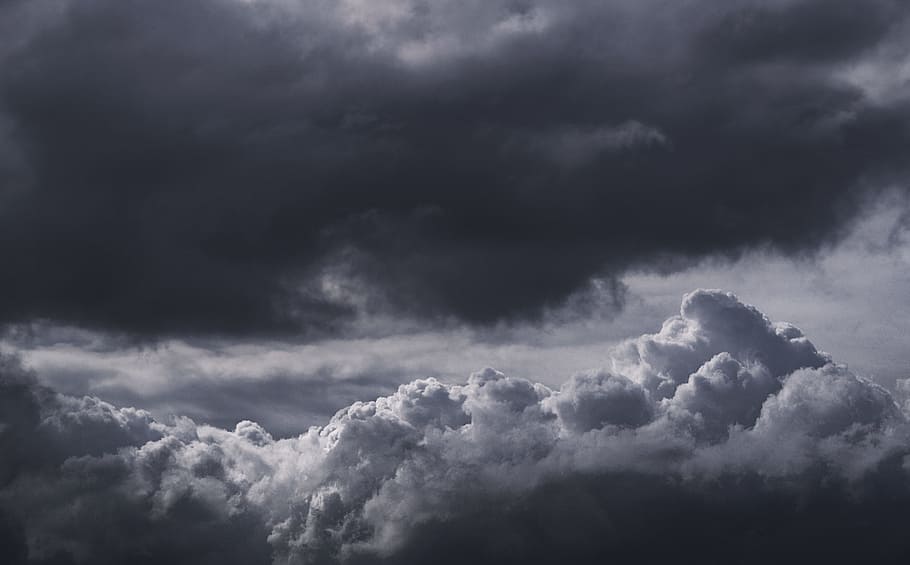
{"points": [[721, 402]]}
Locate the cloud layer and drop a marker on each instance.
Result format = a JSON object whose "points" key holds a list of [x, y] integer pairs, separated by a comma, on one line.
{"points": [[723, 436], [271, 166]]}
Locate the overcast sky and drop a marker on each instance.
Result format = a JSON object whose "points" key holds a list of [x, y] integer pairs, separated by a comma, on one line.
{"points": [[320, 281]]}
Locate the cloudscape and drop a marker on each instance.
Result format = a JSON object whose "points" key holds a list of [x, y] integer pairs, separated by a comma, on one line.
{"points": [[414, 281]]}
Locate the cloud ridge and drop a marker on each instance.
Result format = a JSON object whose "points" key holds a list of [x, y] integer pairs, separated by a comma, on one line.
{"points": [[720, 401]]}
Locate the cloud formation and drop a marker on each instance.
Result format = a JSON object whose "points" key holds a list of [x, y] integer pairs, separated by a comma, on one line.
{"points": [[721, 433], [271, 167]]}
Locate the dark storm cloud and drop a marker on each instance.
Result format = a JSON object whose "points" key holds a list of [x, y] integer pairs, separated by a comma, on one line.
{"points": [[722, 437], [243, 167]]}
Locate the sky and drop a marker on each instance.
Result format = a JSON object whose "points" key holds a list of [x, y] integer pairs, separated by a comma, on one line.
{"points": [[391, 281]]}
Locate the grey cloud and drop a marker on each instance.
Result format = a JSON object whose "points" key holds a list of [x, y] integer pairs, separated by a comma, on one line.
{"points": [[827, 401], [40, 428], [710, 323], [576, 147], [498, 469], [723, 393], [589, 401], [269, 167], [286, 404]]}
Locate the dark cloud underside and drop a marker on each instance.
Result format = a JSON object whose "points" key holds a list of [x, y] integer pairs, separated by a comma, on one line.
{"points": [[247, 167]]}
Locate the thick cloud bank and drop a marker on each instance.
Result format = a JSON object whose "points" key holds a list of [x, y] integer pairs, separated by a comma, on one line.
{"points": [[723, 437], [267, 166]]}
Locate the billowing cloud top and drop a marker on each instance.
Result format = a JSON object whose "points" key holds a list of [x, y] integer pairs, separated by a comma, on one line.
{"points": [[720, 434], [267, 166]]}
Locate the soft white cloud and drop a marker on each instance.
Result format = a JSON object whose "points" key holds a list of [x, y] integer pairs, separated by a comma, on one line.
{"points": [[720, 391], [713, 322], [590, 401]]}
